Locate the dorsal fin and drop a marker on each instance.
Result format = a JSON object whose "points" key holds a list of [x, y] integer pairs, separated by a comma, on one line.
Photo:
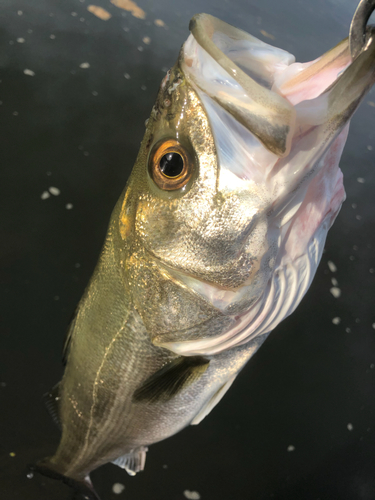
{"points": [[171, 379], [51, 400]]}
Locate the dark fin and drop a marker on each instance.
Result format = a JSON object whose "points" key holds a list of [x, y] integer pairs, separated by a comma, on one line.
{"points": [[51, 400], [171, 379], [84, 489], [68, 337], [132, 462]]}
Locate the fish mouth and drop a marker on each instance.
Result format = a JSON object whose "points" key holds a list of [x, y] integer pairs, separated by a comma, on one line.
{"points": [[212, 57], [260, 85]]}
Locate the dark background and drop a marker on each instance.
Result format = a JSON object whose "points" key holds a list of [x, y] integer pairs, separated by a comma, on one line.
{"points": [[79, 129]]}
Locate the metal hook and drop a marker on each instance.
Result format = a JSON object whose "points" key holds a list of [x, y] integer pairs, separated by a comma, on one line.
{"points": [[357, 33]]}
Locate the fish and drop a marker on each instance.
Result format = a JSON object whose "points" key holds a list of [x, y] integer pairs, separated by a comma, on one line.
{"points": [[214, 241]]}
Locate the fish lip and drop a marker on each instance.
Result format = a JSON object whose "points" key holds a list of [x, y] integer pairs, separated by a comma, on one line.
{"points": [[269, 115]]}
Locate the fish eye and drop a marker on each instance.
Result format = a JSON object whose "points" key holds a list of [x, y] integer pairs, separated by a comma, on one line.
{"points": [[170, 165]]}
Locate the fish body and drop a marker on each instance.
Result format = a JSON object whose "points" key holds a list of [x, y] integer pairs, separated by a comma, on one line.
{"points": [[215, 240]]}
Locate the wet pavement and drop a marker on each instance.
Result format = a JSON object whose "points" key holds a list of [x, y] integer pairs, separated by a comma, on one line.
{"points": [[75, 91]]}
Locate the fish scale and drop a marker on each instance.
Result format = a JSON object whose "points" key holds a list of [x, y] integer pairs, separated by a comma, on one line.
{"points": [[214, 241]]}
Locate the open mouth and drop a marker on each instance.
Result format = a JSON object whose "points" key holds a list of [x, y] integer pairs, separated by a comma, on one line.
{"points": [[260, 85]]}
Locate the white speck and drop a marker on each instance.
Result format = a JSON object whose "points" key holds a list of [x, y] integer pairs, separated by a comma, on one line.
{"points": [[54, 190], [3, 384], [369, 148], [69, 206], [86, 153], [334, 282], [20, 40], [45, 195], [354, 205], [29, 475], [19, 12], [143, 87], [357, 320], [361, 180], [15, 113], [140, 48], [355, 247], [336, 321], [350, 427], [291, 448], [373, 325], [160, 22], [164, 69], [74, 14], [73, 72], [165, 466], [191, 495], [52, 37], [372, 366], [94, 92], [29, 72], [336, 292], [118, 488], [51, 14], [348, 330], [56, 297], [332, 266], [371, 270], [77, 265], [1, 102], [29, 31], [82, 19], [49, 173], [358, 217], [146, 40], [127, 76], [351, 257], [126, 29], [84, 65]]}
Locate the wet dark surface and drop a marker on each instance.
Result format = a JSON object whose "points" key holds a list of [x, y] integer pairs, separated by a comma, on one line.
{"points": [[311, 386]]}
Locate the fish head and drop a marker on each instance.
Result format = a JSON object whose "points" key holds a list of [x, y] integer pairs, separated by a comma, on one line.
{"points": [[194, 220], [236, 184]]}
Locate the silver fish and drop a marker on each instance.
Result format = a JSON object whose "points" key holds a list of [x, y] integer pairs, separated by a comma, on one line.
{"points": [[214, 241]]}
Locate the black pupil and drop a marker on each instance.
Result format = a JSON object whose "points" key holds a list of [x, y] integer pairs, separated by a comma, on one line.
{"points": [[171, 164]]}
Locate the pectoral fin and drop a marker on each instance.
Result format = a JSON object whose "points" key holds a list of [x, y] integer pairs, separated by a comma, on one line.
{"points": [[171, 379]]}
